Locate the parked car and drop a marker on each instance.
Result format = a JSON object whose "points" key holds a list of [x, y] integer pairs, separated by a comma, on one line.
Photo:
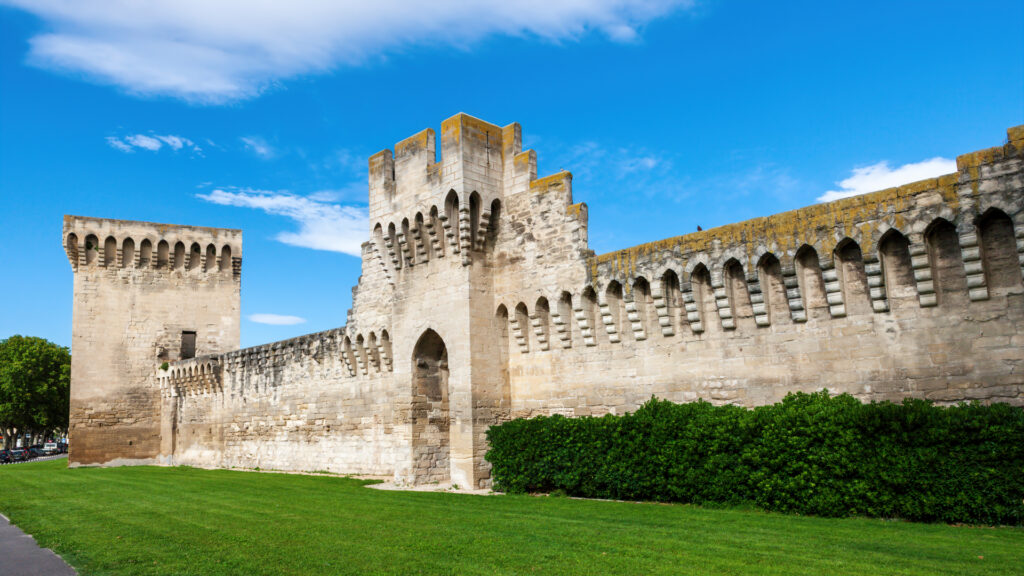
{"points": [[36, 451], [50, 448], [19, 455], [5, 456]]}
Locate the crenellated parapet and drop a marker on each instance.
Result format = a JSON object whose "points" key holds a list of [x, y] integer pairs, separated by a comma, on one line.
{"points": [[425, 207], [200, 376], [359, 355], [103, 243], [954, 238]]}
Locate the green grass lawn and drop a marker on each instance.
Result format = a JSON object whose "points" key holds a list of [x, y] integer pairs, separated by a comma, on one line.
{"points": [[149, 520]]}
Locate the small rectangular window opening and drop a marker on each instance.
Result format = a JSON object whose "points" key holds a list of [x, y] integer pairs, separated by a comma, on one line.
{"points": [[188, 345]]}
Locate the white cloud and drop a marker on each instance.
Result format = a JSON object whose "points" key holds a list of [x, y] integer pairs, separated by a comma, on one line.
{"points": [[153, 143], [322, 225], [881, 176], [276, 319], [143, 141], [592, 158], [215, 52], [607, 170], [176, 142], [258, 146], [118, 144]]}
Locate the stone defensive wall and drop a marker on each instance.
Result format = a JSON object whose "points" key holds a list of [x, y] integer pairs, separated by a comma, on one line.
{"points": [[322, 401], [480, 300], [913, 291]]}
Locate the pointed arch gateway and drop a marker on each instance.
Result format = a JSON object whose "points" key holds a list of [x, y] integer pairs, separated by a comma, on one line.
{"points": [[430, 419]]}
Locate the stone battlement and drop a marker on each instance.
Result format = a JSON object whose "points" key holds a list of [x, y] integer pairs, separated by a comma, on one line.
{"points": [[362, 355], [195, 376], [422, 206], [480, 300], [109, 243]]}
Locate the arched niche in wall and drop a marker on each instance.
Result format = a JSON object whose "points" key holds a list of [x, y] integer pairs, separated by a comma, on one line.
{"points": [[809, 278], [523, 321], [179, 256], [613, 297], [225, 258], [128, 253], [210, 264], [474, 217], [735, 280], [430, 417], [500, 329], [72, 247], [543, 313], [849, 263], [163, 258], [998, 251], [947, 264], [195, 256], [566, 316], [421, 230], [145, 253], [643, 301], [673, 299], [110, 252], [897, 269], [704, 298], [769, 274]]}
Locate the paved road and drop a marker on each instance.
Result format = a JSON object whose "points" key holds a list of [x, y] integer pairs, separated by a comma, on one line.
{"points": [[21, 556]]}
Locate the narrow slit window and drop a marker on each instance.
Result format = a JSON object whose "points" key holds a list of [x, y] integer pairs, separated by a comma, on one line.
{"points": [[188, 345]]}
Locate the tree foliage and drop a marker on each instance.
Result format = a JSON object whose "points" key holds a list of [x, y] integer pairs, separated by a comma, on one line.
{"points": [[35, 378]]}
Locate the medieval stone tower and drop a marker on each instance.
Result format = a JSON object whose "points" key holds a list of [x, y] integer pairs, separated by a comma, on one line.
{"points": [[480, 300], [433, 230], [144, 294]]}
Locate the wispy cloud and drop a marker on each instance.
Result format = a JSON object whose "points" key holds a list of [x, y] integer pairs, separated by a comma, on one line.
{"points": [[322, 225], [608, 170], [594, 161], [152, 142], [258, 146], [119, 144], [215, 52], [881, 176], [762, 179], [276, 319]]}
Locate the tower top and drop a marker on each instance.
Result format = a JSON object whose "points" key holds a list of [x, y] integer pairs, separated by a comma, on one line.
{"points": [[109, 243]]}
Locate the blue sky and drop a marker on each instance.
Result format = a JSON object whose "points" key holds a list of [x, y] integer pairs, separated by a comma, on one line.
{"points": [[669, 114]]}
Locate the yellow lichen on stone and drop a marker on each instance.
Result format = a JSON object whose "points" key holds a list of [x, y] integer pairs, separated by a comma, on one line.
{"points": [[414, 143], [522, 160], [1015, 136], [986, 156], [815, 225], [553, 182]]}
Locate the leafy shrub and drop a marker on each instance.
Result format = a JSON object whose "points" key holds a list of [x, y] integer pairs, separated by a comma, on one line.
{"points": [[808, 454]]}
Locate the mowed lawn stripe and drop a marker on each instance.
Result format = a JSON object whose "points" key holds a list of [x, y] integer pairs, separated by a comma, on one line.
{"points": [[151, 520]]}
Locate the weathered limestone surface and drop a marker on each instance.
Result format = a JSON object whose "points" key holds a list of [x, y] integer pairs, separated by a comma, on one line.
{"points": [[481, 301], [138, 286]]}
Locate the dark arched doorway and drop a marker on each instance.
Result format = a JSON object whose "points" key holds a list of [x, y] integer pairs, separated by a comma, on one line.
{"points": [[430, 423]]}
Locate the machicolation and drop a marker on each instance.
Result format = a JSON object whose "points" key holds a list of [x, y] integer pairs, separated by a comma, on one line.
{"points": [[481, 301]]}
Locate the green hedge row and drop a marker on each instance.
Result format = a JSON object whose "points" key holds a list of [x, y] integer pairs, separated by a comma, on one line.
{"points": [[808, 454]]}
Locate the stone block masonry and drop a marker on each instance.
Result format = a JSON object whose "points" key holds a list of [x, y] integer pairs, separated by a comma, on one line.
{"points": [[480, 301], [144, 294]]}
